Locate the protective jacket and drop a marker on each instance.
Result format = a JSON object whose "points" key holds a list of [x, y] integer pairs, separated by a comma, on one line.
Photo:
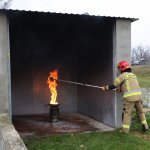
{"points": [[128, 84]]}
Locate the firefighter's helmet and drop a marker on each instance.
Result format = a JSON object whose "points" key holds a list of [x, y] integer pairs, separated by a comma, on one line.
{"points": [[123, 65]]}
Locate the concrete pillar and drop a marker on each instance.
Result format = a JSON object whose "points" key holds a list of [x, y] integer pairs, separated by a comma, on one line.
{"points": [[5, 106], [122, 51]]}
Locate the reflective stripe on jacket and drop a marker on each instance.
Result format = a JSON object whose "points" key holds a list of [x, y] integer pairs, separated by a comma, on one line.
{"points": [[129, 86]]}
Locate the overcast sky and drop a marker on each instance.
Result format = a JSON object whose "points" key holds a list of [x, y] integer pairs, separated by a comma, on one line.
{"points": [[140, 31]]}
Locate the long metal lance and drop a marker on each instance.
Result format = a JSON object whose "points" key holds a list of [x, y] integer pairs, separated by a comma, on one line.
{"points": [[78, 83], [95, 86], [70, 82]]}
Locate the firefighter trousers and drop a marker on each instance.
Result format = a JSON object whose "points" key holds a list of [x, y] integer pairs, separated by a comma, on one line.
{"points": [[127, 113]]}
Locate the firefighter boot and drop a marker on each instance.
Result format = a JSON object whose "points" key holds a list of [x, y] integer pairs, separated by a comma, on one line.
{"points": [[124, 130], [145, 127]]}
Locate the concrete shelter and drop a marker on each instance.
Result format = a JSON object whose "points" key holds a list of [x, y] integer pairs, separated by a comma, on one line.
{"points": [[83, 48]]}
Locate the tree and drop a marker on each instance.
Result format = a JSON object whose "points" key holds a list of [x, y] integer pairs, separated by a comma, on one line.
{"points": [[140, 55], [4, 4]]}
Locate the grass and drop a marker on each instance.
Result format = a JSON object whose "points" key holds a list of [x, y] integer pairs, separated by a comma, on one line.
{"points": [[112, 140], [143, 74]]}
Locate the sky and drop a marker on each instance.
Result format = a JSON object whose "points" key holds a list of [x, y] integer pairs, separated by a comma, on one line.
{"points": [[140, 30]]}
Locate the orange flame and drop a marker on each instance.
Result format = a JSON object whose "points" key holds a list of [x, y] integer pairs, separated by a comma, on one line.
{"points": [[52, 86]]}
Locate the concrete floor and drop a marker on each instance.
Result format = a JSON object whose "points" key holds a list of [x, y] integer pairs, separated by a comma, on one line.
{"points": [[72, 123]]}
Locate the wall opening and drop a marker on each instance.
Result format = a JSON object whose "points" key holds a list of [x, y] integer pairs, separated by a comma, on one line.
{"points": [[79, 46]]}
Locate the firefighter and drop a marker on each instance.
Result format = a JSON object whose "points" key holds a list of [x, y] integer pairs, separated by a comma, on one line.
{"points": [[128, 85]]}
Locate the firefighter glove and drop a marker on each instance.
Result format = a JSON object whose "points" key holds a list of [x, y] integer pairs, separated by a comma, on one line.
{"points": [[105, 88]]}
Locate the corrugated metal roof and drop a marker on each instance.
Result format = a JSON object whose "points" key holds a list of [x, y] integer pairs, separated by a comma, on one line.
{"points": [[30, 11]]}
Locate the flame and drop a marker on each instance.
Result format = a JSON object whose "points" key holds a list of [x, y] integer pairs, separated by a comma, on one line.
{"points": [[51, 81]]}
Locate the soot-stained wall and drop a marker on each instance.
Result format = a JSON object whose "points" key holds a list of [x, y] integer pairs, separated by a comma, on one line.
{"points": [[95, 67], [39, 44], [80, 47]]}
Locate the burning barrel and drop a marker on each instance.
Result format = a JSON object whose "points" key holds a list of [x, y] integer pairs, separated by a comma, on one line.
{"points": [[54, 113], [54, 106]]}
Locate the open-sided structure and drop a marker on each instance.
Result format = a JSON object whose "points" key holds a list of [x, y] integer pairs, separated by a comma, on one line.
{"points": [[82, 48]]}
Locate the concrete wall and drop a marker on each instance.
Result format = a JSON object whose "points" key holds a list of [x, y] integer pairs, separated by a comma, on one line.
{"points": [[9, 137], [107, 107], [122, 51], [5, 105]]}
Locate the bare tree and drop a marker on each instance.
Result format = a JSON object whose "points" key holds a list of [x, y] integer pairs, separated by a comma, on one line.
{"points": [[133, 56], [140, 55], [4, 4]]}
